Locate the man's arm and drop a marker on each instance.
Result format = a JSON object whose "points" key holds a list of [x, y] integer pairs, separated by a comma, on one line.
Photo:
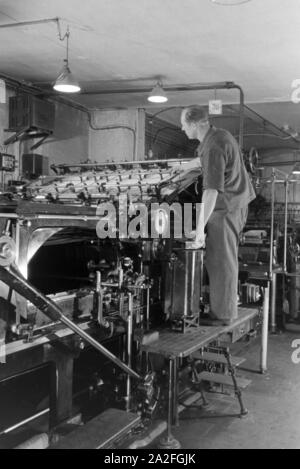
{"points": [[209, 199], [193, 164]]}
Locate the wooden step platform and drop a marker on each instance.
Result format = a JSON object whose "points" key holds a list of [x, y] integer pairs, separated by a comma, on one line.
{"points": [[218, 358], [226, 380], [99, 432], [172, 344]]}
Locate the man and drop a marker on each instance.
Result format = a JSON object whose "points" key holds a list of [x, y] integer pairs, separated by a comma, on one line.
{"points": [[227, 191]]}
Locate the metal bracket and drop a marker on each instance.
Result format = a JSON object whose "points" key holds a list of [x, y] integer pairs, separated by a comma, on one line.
{"points": [[24, 134]]}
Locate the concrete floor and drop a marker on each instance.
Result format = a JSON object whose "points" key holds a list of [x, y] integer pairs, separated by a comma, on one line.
{"points": [[273, 401]]}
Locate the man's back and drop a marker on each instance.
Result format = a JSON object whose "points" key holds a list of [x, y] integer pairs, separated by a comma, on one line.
{"points": [[224, 170]]}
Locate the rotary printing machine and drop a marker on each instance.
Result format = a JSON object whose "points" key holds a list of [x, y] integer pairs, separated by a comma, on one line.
{"points": [[68, 296], [82, 308]]}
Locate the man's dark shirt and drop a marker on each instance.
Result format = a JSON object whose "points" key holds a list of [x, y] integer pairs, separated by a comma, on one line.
{"points": [[224, 170]]}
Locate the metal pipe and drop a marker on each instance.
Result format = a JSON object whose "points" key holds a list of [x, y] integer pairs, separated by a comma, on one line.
{"points": [[279, 181], [99, 298], [7, 228], [175, 393], [35, 91], [242, 120], [278, 163], [272, 222], [9, 215], [42, 21], [129, 349], [99, 347], [279, 129], [264, 337], [148, 310], [24, 422], [49, 308], [107, 284], [170, 400], [121, 163], [29, 23], [193, 253], [120, 277], [273, 302], [173, 278], [61, 217], [147, 325], [186, 286], [201, 275], [285, 224], [17, 261], [191, 87], [115, 127]]}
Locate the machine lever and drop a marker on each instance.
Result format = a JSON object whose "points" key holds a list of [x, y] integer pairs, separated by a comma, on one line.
{"points": [[16, 281]]}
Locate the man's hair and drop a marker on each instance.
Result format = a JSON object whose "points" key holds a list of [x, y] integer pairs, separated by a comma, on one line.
{"points": [[195, 113]]}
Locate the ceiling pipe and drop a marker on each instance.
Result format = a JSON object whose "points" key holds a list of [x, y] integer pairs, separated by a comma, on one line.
{"points": [[36, 91], [279, 129], [193, 87], [29, 23], [34, 22]]}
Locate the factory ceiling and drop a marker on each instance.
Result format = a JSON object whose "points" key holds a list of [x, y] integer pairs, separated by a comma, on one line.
{"points": [[117, 44]]}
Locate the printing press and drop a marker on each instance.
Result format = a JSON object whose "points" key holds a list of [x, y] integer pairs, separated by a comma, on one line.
{"points": [[75, 307]]}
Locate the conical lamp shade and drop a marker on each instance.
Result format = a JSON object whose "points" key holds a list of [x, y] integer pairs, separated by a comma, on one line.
{"points": [[230, 2], [157, 95], [296, 169], [65, 82]]}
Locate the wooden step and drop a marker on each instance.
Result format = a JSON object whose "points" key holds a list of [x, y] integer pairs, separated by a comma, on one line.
{"points": [[99, 432], [219, 378], [219, 358]]}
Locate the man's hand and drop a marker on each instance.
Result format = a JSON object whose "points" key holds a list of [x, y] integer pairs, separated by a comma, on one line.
{"points": [[186, 166], [199, 239], [176, 170]]}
